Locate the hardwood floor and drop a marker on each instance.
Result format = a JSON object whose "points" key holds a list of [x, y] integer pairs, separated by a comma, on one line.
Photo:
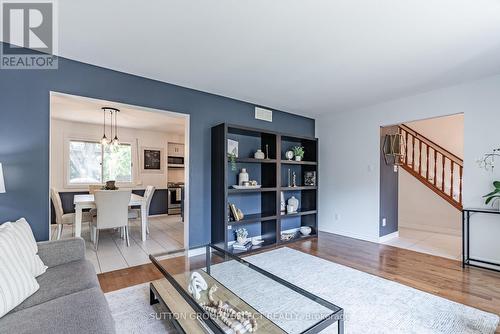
{"points": [[475, 287]]}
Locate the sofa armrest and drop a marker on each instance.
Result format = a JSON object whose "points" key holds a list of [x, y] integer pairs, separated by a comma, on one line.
{"points": [[55, 253]]}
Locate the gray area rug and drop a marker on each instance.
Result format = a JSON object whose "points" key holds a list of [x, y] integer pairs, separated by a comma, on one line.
{"points": [[371, 304]]}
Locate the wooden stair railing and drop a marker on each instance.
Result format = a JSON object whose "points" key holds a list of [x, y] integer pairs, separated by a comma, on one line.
{"points": [[434, 166]]}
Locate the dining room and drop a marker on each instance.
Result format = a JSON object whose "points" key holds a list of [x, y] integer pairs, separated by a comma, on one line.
{"points": [[112, 169]]}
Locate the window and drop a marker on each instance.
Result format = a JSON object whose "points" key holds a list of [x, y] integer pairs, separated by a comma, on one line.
{"points": [[91, 162]]}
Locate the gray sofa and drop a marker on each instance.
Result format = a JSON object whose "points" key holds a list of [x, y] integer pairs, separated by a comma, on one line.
{"points": [[69, 300]]}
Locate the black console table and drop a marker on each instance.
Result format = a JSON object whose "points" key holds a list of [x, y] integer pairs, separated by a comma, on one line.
{"points": [[466, 259]]}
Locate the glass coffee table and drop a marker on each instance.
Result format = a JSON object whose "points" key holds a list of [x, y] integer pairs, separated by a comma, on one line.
{"points": [[208, 290]]}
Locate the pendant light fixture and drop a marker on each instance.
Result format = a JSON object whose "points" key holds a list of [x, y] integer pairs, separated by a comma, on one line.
{"points": [[104, 139], [114, 128], [116, 141]]}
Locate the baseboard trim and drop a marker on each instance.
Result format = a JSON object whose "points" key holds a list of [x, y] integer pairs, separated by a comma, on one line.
{"points": [[433, 229], [388, 237]]}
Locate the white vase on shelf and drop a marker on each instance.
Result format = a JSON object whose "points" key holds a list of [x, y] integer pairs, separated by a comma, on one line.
{"points": [[259, 155], [243, 176]]}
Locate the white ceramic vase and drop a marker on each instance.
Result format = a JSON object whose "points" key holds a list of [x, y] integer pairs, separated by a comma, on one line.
{"points": [[243, 176], [298, 158], [259, 155]]}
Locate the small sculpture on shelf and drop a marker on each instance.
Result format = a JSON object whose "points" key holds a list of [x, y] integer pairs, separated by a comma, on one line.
{"points": [[241, 235], [289, 155], [310, 178], [293, 205], [294, 179]]}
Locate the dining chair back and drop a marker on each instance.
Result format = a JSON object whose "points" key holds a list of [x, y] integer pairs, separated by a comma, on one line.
{"points": [[112, 208], [58, 208], [148, 196]]}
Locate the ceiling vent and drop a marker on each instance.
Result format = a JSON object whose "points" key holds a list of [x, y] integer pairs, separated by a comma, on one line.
{"points": [[263, 114]]}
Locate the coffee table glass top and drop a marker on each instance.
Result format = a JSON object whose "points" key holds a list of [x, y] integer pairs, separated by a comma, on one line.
{"points": [[275, 305]]}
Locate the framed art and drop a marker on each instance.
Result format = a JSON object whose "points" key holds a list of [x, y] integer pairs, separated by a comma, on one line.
{"points": [[152, 160]]}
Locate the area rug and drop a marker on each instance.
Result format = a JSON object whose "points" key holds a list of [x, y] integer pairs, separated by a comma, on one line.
{"points": [[371, 304]]}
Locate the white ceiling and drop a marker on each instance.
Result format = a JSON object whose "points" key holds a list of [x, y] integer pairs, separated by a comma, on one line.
{"points": [[306, 57], [85, 110]]}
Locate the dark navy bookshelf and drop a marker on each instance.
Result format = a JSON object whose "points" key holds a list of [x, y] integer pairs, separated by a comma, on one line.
{"points": [[261, 206]]}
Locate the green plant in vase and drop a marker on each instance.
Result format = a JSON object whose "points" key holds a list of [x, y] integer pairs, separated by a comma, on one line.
{"points": [[298, 152], [493, 196], [232, 160]]}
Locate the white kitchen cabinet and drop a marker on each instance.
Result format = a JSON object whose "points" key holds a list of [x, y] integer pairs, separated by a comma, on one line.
{"points": [[175, 150]]}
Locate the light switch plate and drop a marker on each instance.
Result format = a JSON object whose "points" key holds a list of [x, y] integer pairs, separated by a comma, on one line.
{"points": [[263, 114]]}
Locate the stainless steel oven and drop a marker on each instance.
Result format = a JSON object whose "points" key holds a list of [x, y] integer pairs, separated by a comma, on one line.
{"points": [[175, 198]]}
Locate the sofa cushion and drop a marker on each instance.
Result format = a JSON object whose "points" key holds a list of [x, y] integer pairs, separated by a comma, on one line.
{"points": [[27, 247], [62, 280], [16, 281], [82, 312]]}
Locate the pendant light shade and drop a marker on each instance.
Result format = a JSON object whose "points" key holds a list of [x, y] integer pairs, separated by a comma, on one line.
{"points": [[116, 141]]}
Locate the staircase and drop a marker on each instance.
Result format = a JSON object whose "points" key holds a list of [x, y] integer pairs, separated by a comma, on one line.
{"points": [[434, 166]]}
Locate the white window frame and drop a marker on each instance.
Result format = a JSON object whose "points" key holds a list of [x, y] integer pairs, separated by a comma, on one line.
{"points": [[69, 185]]}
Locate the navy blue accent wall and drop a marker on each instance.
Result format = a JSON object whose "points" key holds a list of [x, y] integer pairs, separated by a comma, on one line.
{"points": [[24, 132], [388, 190]]}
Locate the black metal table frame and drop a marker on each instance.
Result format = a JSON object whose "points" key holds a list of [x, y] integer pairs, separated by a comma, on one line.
{"points": [[466, 259], [336, 316]]}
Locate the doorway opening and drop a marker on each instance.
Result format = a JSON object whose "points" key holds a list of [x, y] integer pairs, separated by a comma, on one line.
{"points": [[421, 185], [139, 149]]}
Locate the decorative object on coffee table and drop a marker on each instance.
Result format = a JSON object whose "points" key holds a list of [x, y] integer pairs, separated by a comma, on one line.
{"points": [[238, 321], [310, 178], [196, 285]]}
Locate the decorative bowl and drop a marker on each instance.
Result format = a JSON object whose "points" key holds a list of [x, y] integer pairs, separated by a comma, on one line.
{"points": [[246, 187], [305, 230]]}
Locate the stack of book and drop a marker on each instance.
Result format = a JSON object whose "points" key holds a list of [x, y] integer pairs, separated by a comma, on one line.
{"points": [[246, 246]]}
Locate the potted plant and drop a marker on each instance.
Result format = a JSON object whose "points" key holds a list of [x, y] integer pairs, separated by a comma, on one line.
{"points": [[493, 196], [298, 152], [232, 160]]}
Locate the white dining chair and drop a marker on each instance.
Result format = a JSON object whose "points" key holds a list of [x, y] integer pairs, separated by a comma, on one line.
{"points": [[65, 218], [112, 212], [136, 213]]}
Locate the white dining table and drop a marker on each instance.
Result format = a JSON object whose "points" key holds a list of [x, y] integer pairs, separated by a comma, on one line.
{"points": [[87, 202]]}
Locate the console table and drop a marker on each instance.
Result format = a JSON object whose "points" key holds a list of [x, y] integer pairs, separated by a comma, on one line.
{"points": [[466, 259]]}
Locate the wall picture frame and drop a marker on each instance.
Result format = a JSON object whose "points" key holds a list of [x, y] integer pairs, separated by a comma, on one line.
{"points": [[232, 147], [153, 160]]}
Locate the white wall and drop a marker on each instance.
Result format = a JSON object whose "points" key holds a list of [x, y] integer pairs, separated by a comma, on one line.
{"points": [[61, 130], [422, 209], [447, 131], [349, 158]]}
